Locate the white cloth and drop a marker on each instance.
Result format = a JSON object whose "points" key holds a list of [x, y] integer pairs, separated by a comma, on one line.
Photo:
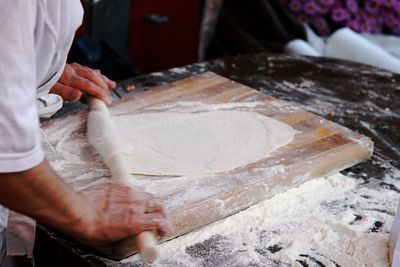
{"points": [[375, 50], [36, 36], [301, 47], [349, 45], [35, 39]]}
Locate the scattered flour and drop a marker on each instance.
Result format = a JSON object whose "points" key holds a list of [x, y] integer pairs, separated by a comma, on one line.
{"points": [[195, 106], [179, 70], [160, 74], [333, 221], [323, 222]]}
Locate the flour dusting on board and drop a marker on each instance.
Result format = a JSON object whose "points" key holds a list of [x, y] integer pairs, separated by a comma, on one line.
{"points": [[195, 106], [312, 225], [71, 156], [71, 148], [185, 188]]}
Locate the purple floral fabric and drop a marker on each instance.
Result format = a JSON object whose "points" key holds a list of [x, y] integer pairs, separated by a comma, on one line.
{"points": [[325, 16]]}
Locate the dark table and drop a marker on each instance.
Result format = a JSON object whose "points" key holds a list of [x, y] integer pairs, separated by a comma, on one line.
{"points": [[357, 96]]}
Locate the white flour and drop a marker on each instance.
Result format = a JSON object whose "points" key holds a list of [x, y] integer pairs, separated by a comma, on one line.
{"points": [[334, 221], [322, 221], [195, 106]]}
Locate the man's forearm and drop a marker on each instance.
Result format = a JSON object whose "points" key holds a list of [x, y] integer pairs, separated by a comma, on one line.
{"points": [[42, 195], [101, 214]]}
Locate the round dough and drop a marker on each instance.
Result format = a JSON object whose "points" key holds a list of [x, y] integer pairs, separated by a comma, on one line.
{"points": [[198, 143]]}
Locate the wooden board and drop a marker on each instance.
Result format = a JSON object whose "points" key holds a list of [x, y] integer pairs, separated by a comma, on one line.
{"points": [[319, 148]]}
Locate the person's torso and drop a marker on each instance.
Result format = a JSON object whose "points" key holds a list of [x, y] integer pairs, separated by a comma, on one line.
{"points": [[56, 22]]}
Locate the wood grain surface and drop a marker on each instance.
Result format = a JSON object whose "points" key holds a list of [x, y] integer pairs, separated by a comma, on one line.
{"points": [[319, 148]]}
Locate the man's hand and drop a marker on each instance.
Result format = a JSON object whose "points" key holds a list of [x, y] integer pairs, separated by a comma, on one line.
{"points": [[98, 215], [120, 211], [77, 79]]}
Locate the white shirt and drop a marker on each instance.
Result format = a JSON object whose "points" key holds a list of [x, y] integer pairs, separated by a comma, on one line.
{"points": [[35, 36]]}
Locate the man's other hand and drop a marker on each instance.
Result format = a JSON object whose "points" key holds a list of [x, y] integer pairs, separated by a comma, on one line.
{"points": [[77, 79]]}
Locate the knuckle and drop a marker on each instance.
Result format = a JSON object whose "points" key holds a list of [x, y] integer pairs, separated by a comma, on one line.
{"points": [[87, 84], [87, 71], [76, 65]]}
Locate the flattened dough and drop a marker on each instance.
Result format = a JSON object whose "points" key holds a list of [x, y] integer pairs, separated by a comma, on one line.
{"points": [[198, 143]]}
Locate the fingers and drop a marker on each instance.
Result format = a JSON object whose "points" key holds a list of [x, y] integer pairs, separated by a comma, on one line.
{"points": [[97, 84], [150, 221], [86, 80], [111, 84], [123, 210], [145, 212], [141, 202], [155, 205], [91, 88], [95, 76], [66, 92]]}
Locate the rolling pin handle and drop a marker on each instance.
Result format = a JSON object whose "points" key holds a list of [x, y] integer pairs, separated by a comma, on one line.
{"points": [[97, 105], [145, 242], [147, 247]]}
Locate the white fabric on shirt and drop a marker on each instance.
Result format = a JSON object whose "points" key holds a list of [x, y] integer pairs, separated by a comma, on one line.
{"points": [[35, 37]]}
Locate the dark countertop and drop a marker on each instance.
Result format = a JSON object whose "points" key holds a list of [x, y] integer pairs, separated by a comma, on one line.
{"points": [[359, 97]]}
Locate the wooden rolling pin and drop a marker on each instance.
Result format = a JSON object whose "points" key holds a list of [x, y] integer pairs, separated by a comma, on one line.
{"points": [[104, 138]]}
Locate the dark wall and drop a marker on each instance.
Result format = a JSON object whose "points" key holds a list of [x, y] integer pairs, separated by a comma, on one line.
{"points": [[253, 26]]}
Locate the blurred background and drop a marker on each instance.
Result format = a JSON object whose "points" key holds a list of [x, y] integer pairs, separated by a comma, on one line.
{"points": [[125, 38]]}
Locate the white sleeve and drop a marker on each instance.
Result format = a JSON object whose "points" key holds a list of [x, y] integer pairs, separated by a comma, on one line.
{"points": [[20, 137]]}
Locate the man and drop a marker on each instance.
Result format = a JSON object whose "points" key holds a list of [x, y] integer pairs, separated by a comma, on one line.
{"points": [[35, 37]]}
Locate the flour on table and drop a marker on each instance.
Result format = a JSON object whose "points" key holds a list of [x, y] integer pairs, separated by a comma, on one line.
{"points": [[198, 143], [323, 222]]}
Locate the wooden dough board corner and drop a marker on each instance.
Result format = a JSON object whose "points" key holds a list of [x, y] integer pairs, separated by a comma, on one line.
{"points": [[319, 148]]}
